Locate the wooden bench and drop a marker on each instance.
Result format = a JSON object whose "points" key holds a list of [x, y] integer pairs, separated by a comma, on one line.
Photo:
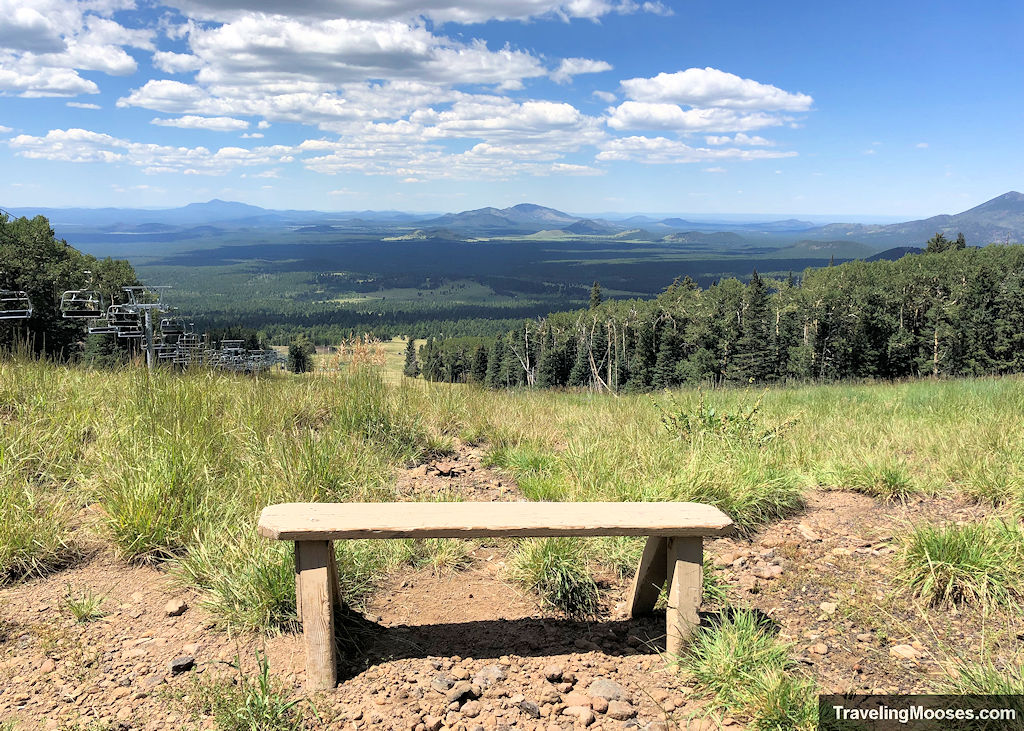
{"points": [[674, 551]]}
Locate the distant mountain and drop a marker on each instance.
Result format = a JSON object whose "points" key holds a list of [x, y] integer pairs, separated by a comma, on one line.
{"points": [[893, 254], [997, 220], [522, 218], [591, 228], [783, 226]]}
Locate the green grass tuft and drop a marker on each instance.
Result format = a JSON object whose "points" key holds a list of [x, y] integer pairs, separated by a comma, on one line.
{"points": [[556, 569], [84, 606], [979, 562], [249, 704], [985, 679], [747, 672]]}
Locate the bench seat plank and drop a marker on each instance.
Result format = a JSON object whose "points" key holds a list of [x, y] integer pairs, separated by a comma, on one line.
{"points": [[334, 521]]}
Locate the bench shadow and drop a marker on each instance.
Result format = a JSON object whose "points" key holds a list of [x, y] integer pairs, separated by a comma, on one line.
{"points": [[363, 644]]}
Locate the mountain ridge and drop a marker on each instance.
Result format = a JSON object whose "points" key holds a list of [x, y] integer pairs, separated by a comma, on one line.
{"points": [[996, 220]]}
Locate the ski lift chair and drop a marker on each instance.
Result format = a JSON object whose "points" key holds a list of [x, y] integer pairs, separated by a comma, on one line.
{"points": [[81, 303], [101, 326], [172, 326], [14, 305], [126, 320]]}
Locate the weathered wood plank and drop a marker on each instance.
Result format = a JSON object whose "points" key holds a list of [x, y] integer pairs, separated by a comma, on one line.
{"points": [[332, 521], [313, 560], [685, 568], [649, 578]]}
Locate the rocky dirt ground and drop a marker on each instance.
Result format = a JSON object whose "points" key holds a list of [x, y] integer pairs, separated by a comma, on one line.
{"points": [[467, 650]]}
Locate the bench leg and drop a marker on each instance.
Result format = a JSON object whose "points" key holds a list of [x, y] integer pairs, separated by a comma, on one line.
{"points": [[650, 577], [315, 597], [685, 569]]}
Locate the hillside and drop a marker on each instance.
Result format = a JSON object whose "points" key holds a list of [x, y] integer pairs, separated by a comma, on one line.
{"points": [[827, 589], [837, 249], [996, 221]]}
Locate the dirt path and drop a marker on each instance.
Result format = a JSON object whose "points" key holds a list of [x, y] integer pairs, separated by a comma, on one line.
{"points": [[468, 650]]}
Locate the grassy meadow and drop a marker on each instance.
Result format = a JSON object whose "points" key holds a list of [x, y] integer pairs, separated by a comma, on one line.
{"points": [[173, 468]]}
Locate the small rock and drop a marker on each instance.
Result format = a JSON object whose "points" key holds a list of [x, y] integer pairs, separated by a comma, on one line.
{"points": [[553, 673], [460, 673], [659, 695], [620, 710], [472, 709], [459, 691], [828, 607], [768, 572], [48, 666], [583, 715], [906, 652], [865, 637], [182, 664], [819, 649], [432, 723], [841, 551], [607, 689], [490, 675], [576, 699], [806, 532], [175, 608], [441, 683], [725, 559], [530, 708], [599, 704]]}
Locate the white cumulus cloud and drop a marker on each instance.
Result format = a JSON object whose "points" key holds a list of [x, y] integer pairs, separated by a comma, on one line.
{"points": [[648, 115], [570, 67], [661, 151], [709, 87], [191, 121], [85, 146]]}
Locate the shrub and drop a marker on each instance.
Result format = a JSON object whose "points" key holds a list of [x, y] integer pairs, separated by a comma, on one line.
{"points": [[705, 421]]}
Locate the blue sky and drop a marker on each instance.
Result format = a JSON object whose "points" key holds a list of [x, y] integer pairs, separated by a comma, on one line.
{"points": [[820, 109]]}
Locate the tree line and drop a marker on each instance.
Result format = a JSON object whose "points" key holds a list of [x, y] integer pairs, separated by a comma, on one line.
{"points": [[34, 260], [951, 311]]}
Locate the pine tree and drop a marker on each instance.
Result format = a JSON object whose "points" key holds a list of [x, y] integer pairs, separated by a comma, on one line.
{"points": [[412, 365], [752, 361], [580, 374], [494, 360], [300, 355], [595, 296], [478, 369], [666, 366]]}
